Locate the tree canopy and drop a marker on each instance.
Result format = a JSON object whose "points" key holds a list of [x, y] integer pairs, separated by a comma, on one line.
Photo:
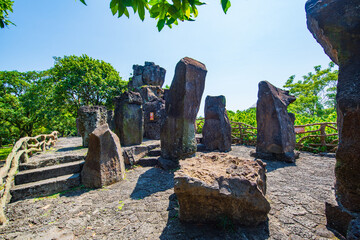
{"points": [[5, 8]]}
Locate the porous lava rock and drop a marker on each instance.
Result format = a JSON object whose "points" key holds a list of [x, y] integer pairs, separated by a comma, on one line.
{"points": [[104, 163], [353, 232], [217, 129], [275, 126], [335, 25], [149, 93], [149, 74], [182, 105], [129, 118], [213, 186], [154, 117], [89, 118]]}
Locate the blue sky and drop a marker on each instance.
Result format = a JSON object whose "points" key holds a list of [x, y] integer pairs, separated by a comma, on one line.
{"points": [[256, 40]]}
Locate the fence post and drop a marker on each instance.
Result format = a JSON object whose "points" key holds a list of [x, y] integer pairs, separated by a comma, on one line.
{"points": [[241, 134], [43, 143], [323, 135], [24, 158]]}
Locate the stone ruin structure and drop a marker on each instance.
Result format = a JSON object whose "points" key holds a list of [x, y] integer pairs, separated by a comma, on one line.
{"points": [[182, 105], [216, 185], [154, 116], [335, 26], [275, 126], [217, 128], [89, 118], [150, 74], [129, 118], [104, 163]]}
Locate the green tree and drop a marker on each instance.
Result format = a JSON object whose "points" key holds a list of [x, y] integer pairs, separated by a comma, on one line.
{"points": [[315, 93], [85, 81], [5, 8]]}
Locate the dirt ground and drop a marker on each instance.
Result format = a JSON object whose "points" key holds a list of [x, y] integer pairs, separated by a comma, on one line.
{"points": [[144, 206]]}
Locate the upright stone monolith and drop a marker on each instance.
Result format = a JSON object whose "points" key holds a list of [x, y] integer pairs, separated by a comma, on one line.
{"points": [[275, 126], [104, 163], [335, 25], [129, 118], [150, 74], [217, 129], [89, 118], [182, 105], [154, 117]]}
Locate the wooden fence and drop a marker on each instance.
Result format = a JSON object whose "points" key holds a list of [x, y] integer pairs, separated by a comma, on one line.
{"points": [[311, 137], [20, 153]]}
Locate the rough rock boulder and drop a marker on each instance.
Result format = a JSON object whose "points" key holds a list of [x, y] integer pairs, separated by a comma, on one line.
{"points": [[154, 116], [216, 185], [217, 129], [150, 74], [182, 105], [104, 163], [275, 126], [89, 118]]}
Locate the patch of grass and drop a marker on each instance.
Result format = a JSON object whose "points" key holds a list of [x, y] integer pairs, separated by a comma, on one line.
{"points": [[4, 152], [56, 195], [120, 207]]}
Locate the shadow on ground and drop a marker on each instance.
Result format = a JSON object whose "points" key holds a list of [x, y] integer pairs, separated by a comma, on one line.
{"points": [[152, 181], [223, 229], [68, 149]]}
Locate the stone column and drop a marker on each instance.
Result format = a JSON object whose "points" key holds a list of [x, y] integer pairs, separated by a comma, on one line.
{"points": [[182, 105], [335, 25], [89, 118], [154, 116], [129, 118], [217, 129], [275, 126]]}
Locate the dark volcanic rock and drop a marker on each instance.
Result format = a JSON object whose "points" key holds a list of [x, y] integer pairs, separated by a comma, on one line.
{"points": [[217, 185], [335, 24], [149, 93], [182, 105], [217, 129], [89, 118], [275, 126], [338, 218], [104, 163], [353, 232], [150, 74], [110, 120], [129, 118], [154, 117]]}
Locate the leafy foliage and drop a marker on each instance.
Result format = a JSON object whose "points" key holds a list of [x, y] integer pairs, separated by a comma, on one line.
{"points": [[165, 12], [5, 8]]}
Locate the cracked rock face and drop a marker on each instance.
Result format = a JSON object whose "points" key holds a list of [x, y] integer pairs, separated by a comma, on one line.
{"points": [[275, 126], [104, 163], [89, 118], [150, 74], [335, 24], [182, 105], [212, 186], [217, 129]]}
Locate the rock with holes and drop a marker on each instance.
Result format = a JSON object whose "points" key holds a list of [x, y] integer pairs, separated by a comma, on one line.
{"points": [[129, 118], [104, 163], [89, 118], [335, 25], [182, 105], [216, 130], [275, 126], [216, 186]]}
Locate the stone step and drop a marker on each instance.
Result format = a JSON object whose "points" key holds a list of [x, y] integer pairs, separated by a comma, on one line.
{"points": [[45, 187], [155, 152], [148, 161], [38, 174], [50, 161]]}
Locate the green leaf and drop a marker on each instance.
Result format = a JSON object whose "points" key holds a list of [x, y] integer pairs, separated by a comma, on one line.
{"points": [[161, 24], [141, 10], [83, 1], [225, 5]]}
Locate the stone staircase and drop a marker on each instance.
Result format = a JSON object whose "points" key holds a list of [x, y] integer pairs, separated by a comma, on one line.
{"points": [[54, 173]]}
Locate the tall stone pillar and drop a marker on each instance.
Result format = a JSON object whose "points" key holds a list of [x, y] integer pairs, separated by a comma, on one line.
{"points": [[89, 118], [335, 25], [182, 105], [129, 118], [275, 126], [217, 128]]}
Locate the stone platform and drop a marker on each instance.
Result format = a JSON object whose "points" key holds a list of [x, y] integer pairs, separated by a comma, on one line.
{"points": [[144, 206]]}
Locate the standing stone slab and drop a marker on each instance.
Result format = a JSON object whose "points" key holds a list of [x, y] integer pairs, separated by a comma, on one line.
{"points": [[217, 128], [89, 118], [213, 186], [154, 116], [335, 25], [150, 74], [104, 163], [129, 118], [182, 105], [275, 126]]}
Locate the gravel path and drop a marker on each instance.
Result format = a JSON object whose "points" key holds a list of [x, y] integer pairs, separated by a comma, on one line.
{"points": [[144, 206]]}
